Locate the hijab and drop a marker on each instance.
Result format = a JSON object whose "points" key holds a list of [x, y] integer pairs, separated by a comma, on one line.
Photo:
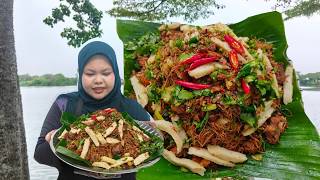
{"points": [[114, 99]]}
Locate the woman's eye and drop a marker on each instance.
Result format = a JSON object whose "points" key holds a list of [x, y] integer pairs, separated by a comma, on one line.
{"points": [[106, 74], [89, 74]]}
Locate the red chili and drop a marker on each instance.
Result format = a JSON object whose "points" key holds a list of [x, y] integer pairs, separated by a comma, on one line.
{"points": [[202, 61], [190, 85], [245, 86], [236, 45], [193, 58], [108, 110], [233, 58], [94, 117]]}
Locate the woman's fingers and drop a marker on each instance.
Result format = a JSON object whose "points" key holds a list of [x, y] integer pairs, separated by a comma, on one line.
{"points": [[48, 136]]}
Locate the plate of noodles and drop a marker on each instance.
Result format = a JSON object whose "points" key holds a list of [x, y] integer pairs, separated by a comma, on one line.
{"points": [[106, 142], [224, 96]]}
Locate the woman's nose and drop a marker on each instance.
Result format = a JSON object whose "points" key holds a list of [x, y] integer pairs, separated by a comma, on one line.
{"points": [[98, 79]]}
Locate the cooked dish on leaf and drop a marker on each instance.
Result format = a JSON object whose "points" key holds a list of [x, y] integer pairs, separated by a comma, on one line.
{"points": [[217, 97], [107, 139]]}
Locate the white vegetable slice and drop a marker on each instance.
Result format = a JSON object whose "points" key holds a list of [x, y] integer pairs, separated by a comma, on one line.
{"points": [[204, 153], [88, 122], [92, 136], [108, 160], [112, 140], [223, 45], [187, 163], [85, 148], [226, 154], [242, 59], [122, 161], [100, 138], [101, 118], [75, 131], [269, 68], [170, 129], [110, 129], [120, 128], [173, 26], [101, 164], [187, 28], [287, 85], [263, 116], [202, 70], [139, 130], [64, 132], [140, 91], [182, 133], [142, 157]]}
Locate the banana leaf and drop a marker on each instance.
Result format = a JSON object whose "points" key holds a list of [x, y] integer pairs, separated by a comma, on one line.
{"points": [[297, 156]]}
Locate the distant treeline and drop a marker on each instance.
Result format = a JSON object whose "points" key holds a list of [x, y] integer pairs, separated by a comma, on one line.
{"points": [[46, 80], [310, 79]]}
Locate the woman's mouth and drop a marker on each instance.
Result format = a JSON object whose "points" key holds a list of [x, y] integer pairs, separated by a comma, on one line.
{"points": [[98, 90]]}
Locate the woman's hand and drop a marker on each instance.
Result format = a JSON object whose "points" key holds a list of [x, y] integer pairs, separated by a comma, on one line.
{"points": [[151, 123], [48, 136]]}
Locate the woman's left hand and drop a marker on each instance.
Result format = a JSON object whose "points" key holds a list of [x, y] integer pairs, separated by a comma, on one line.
{"points": [[48, 136]]}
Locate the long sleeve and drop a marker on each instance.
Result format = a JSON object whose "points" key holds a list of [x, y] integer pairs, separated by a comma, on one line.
{"points": [[43, 154]]}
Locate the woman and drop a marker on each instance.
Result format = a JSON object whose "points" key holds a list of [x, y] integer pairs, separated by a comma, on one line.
{"points": [[99, 87]]}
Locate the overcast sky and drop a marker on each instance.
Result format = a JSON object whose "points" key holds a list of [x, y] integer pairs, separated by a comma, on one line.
{"points": [[41, 50]]}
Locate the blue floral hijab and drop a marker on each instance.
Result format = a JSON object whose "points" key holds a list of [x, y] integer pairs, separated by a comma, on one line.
{"points": [[114, 99]]}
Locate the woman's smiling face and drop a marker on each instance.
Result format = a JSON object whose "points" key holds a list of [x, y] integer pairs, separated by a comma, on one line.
{"points": [[98, 77]]}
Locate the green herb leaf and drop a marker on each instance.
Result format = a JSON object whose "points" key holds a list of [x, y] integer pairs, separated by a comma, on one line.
{"points": [[193, 40], [249, 119], [203, 122]]}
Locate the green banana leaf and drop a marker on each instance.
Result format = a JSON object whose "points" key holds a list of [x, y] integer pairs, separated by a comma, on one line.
{"points": [[297, 156]]}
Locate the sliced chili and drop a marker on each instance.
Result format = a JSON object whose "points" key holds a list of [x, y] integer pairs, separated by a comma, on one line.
{"points": [[194, 86], [233, 59], [202, 61], [245, 86], [234, 44], [194, 58]]}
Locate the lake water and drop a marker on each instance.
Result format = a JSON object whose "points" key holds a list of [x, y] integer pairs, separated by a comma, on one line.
{"points": [[36, 102]]}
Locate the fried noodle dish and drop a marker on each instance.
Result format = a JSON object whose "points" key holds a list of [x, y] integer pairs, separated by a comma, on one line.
{"points": [[108, 140], [216, 96]]}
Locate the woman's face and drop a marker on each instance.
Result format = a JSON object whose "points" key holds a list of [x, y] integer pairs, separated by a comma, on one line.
{"points": [[98, 78]]}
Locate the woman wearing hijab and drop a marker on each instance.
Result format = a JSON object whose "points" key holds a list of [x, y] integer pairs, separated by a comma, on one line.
{"points": [[99, 87]]}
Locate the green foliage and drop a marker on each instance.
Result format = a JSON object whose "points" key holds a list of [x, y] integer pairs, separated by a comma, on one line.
{"points": [[46, 80], [151, 10], [303, 8], [310, 79], [86, 16]]}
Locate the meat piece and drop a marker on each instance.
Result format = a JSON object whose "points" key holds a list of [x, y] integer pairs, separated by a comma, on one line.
{"points": [[117, 149], [274, 127], [252, 145], [178, 109], [279, 71], [142, 78]]}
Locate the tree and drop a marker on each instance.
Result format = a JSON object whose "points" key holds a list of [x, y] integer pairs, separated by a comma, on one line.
{"points": [[303, 8], [13, 159], [88, 17]]}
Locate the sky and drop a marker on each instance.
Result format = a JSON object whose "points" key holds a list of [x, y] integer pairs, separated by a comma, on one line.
{"points": [[41, 50]]}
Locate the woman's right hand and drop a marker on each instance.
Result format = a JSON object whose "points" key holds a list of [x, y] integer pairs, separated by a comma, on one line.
{"points": [[48, 136]]}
